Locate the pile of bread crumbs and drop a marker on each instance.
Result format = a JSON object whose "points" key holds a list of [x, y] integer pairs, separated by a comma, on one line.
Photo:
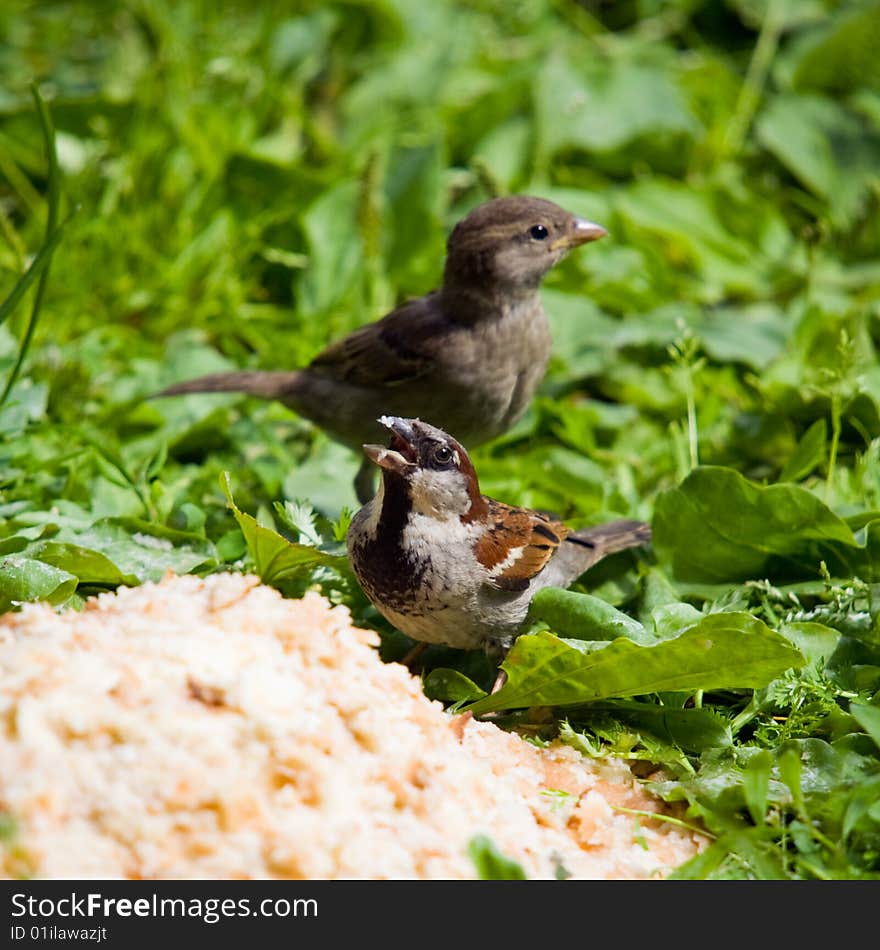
{"points": [[209, 728]]}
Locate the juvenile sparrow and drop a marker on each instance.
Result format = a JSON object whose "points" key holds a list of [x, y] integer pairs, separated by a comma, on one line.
{"points": [[444, 563], [469, 355]]}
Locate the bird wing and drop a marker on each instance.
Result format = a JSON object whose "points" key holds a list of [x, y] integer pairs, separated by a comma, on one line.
{"points": [[390, 351], [517, 544]]}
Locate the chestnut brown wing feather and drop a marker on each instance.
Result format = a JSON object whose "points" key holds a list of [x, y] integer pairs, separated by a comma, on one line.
{"points": [[517, 544]]}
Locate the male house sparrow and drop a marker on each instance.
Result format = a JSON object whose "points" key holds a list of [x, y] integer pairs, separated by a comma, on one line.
{"points": [[469, 355], [444, 563]]}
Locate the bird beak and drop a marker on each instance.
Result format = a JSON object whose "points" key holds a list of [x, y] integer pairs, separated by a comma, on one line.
{"points": [[388, 459], [401, 456], [582, 232]]}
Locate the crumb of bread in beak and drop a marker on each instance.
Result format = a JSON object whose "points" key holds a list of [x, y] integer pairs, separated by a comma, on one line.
{"points": [[209, 728]]}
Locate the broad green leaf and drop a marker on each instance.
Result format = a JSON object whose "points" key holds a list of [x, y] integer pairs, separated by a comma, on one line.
{"points": [[133, 549], [414, 227], [868, 717], [688, 221], [505, 150], [723, 651], [584, 617], [90, 567], [451, 686], [691, 729], [808, 453], [754, 335], [842, 55], [325, 478], [861, 806], [815, 640], [24, 580], [335, 248], [275, 558], [600, 106], [670, 620], [832, 152], [717, 526]]}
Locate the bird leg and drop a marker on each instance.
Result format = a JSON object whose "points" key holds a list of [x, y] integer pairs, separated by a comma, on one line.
{"points": [[412, 655], [500, 680]]}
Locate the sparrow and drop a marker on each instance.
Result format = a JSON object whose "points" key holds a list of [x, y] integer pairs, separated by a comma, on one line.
{"points": [[468, 355], [446, 564]]}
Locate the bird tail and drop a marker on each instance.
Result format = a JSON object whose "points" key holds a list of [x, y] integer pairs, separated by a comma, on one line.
{"points": [[610, 538], [260, 383], [585, 548]]}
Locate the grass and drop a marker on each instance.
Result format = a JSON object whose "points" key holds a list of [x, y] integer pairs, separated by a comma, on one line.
{"points": [[252, 183]]}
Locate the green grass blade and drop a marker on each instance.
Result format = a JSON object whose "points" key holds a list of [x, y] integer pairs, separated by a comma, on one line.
{"points": [[37, 267], [40, 266]]}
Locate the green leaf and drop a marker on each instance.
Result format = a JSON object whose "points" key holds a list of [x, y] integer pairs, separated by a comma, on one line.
{"points": [[723, 651], [691, 729], [717, 526], [584, 617], [829, 150], [808, 453], [116, 551], [861, 806], [868, 717], [335, 248], [602, 105], [756, 784], [490, 863], [701, 865], [815, 640], [764, 863], [842, 54], [450, 685], [790, 771], [24, 580], [89, 566], [693, 232], [275, 558], [671, 619]]}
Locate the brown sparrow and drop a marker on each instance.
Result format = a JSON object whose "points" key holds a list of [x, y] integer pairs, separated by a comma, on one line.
{"points": [[469, 355], [444, 563]]}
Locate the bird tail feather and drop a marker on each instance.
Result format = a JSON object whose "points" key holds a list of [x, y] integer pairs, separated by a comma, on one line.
{"points": [[260, 383], [583, 549], [615, 536]]}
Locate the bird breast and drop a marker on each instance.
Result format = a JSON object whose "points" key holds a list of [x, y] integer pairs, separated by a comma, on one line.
{"points": [[431, 585]]}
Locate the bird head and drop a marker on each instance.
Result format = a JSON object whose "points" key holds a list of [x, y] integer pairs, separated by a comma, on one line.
{"points": [[512, 242], [430, 467]]}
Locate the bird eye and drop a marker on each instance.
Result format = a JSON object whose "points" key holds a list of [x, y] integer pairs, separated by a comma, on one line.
{"points": [[538, 232], [442, 455]]}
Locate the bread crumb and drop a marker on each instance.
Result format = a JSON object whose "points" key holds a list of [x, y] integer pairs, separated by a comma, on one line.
{"points": [[210, 729]]}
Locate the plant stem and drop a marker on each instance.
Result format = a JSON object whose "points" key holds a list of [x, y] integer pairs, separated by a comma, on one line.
{"points": [[669, 819], [693, 434], [835, 441], [755, 79]]}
